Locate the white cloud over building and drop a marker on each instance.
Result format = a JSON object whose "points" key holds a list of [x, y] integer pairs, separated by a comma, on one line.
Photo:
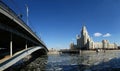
{"points": [[97, 34], [107, 35]]}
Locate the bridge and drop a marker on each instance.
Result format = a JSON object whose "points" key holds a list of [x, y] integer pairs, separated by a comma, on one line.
{"points": [[17, 40]]}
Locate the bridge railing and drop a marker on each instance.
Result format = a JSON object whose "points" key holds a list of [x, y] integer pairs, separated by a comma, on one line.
{"points": [[11, 12]]}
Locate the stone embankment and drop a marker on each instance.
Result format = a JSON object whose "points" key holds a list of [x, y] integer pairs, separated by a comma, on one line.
{"points": [[53, 52]]}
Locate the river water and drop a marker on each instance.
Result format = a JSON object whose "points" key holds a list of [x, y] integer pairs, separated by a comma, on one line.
{"points": [[86, 61]]}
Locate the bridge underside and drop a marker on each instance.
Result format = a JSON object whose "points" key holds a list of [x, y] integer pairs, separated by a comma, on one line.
{"points": [[13, 37], [18, 43]]}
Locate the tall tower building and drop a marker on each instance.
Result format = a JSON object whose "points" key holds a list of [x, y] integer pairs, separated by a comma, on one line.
{"points": [[85, 42], [84, 37]]}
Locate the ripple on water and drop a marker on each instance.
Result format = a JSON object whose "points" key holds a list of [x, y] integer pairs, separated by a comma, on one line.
{"points": [[109, 61]]}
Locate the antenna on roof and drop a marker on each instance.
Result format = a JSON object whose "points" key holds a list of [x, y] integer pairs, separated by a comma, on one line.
{"points": [[83, 24]]}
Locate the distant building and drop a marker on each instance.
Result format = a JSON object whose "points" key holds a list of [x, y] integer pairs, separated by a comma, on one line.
{"points": [[85, 42]]}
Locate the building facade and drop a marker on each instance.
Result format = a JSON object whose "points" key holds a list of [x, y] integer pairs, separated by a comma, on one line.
{"points": [[85, 42]]}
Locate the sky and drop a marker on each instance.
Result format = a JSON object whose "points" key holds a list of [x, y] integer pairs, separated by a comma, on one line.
{"points": [[57, 22]]}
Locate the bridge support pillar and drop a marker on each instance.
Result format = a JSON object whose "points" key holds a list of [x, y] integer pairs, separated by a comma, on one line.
{"points": [[26, 45], [11, 45]]}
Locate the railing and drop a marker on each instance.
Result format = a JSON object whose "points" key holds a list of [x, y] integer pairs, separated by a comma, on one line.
{"points": [[11, 12]]}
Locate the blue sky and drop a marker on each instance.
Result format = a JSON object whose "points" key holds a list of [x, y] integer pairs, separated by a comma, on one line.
{"points": [[58, 22]]}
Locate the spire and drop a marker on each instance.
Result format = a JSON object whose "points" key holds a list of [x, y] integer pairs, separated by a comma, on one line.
{"points": [[84, 30]]}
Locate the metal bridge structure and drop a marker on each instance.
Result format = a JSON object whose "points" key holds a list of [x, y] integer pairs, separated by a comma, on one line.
{"points": [[17, 40]]}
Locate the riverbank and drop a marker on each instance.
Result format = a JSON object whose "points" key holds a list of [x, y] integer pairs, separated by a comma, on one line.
{"points": [[85, 51], [101, 51], [53, 52]]}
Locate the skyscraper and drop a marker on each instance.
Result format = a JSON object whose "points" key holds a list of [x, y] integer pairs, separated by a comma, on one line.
{"points": [[85, 42]]}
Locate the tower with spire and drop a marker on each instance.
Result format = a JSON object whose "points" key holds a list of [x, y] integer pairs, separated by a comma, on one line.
{"points": [[85, 42], [84, 39]]}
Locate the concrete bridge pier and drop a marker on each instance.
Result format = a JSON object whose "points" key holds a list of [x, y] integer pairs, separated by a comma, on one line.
{"points": [[11, 53], [26, 45], [11, 45]]}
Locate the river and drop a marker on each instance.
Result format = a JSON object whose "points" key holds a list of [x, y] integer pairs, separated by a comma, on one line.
{"points": [[86, 61]]}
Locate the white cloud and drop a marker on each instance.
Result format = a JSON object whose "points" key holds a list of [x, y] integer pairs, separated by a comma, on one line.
{"points": [[97, 34], [107, 35]]}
